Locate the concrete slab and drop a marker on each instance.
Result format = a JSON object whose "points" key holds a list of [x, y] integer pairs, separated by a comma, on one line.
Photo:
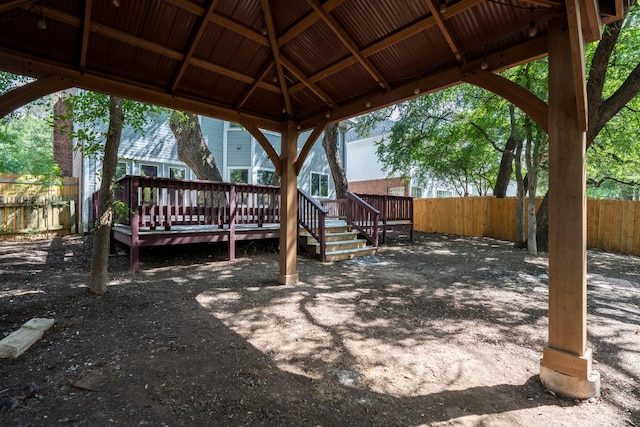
{"points": [[19, 341]]}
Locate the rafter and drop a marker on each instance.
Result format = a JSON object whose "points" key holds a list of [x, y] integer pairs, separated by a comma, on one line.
{"points": [[86, 28], [13, 4], [435, 12], [349, 44], [301, 76], [534, 49], [29, 66], [204, 21], [254, 85], [159, 49], [388, 41], [306, 22], [276, 55]]}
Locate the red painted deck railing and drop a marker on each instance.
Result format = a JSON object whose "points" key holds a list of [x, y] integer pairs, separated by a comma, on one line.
{"points": [[165, 202], [392, 208], [312, 216], [363, 217]]}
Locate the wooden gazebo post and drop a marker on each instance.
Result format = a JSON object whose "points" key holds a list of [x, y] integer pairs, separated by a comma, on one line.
{"points": [[567, 363], [288, 204]]}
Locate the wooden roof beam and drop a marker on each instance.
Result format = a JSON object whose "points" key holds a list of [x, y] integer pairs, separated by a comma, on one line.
{"points": [[29, 92], [159, 49], [28, 66], [576, 40], [252, 88], [306, 22], [435, 12], [268, 18], [349, 43], [591, 22], [388, 41], [534, 49], [86, 29], [197, 36], [13, 4], [314, 87]]}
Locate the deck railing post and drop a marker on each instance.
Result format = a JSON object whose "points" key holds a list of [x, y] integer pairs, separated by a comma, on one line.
{"points": [[232, 221], [134, 185]]}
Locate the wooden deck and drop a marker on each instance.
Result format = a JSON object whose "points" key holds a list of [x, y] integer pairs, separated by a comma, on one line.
{"points": [[163, 211]]}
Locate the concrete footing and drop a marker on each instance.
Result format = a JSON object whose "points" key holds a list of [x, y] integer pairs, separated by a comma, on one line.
{"points": [[288, 279], [568, 386]]}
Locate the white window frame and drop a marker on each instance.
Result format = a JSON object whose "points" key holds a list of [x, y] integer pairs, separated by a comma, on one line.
{"points": [[183, 169], [244, 168], [150, 165], [312, 190], [263, 170]]}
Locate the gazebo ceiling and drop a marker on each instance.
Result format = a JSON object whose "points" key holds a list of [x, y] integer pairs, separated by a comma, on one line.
{"points": [[269, 61]]}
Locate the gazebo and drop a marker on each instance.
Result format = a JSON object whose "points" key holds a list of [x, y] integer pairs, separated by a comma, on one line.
{"points": [[293, 66]]}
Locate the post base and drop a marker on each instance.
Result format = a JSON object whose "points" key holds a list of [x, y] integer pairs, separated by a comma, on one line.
{"points": [[571, 387], [288, 279]]}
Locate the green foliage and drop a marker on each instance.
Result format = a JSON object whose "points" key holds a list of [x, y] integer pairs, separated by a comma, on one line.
{"points": [[455, 136], [26, 145], [88, 110]]}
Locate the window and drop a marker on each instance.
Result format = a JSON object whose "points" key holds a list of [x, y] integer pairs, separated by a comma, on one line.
{"points": [[121, 170], [177, 173], [148, 170], [395, 191], [319, 184], [266, 177], [239, 175], [416, 191], [444, 193]]}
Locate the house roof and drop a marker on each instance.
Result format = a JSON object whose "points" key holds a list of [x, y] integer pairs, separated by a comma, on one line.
{"points": [[271, 61]]}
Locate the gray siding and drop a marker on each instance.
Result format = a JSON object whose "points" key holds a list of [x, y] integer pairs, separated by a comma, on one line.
{"points": [[213, 133], [238, 148]]}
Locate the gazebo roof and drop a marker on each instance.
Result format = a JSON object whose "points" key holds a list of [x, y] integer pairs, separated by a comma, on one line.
{"points": [[270, 61]]}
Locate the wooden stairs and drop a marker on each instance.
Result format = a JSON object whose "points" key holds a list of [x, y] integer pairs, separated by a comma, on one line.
{"points": [[341, 242]]}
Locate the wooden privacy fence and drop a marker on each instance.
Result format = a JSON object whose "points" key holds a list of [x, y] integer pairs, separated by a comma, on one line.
{"points": [[30, 206], [612, 225]]}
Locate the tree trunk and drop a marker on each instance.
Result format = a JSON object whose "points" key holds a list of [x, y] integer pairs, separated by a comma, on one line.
{"points": [[330, 145], [532, 172], [192, 148], [520, 211], [62, 126], [506, 168], [542, 225], [102, 233], [600, 110]]}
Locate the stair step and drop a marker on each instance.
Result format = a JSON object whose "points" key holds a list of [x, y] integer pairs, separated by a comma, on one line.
{"points": [[327, 230], [333, 246], [332, 237], [350, 253]]}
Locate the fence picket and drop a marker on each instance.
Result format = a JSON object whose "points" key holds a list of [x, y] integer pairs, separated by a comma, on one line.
{"points": [[612, 225], [29, 206]]}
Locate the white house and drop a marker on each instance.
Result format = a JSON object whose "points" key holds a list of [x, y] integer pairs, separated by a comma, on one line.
{"points": [[365, 172]]}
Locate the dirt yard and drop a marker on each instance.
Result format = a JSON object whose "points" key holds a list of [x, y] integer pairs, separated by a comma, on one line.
{"points": [[445, 331]]}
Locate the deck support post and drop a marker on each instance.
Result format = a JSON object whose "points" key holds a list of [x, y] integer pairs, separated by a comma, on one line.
{"points": [[288, 205], [567, 362]]}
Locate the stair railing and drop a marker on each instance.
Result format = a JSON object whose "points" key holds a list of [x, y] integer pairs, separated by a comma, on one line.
{"points": [[312, 216], [363, 217]]}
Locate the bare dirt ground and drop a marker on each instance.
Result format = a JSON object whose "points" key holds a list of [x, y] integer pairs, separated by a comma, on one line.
{"points": [[444, 331]]}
